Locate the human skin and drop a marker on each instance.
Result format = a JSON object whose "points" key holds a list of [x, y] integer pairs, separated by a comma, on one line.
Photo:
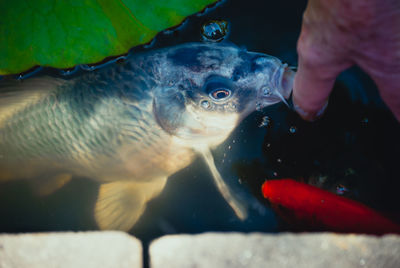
{"points": [[337, 34]]}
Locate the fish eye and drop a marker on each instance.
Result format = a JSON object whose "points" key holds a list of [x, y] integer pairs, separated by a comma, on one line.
{"points": [[218, 88], [220, 94]]}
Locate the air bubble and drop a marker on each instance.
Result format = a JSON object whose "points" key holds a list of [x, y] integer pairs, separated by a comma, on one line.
{"points": [[205, 104], [265, 122], [341, 189], [258, 106], [266, 91], [214, 30], [69, 71], [292, 129]]}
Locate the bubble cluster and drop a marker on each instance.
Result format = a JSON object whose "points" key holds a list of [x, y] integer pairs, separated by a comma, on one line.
{"points": [[265, 122]]}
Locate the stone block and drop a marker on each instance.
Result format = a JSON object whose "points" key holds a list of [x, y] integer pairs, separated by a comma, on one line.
{"points": [[59, 250], [275, 250]]}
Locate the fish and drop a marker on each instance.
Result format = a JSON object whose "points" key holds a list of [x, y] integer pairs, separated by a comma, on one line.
{"points": [[317, 209], [130, 125]]}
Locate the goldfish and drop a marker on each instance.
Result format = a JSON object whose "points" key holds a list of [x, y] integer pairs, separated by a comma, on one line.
{"points": [[130, 125], [304, 204]]}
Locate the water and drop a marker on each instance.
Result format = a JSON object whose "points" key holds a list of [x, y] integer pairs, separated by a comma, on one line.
{"points": [[235, 204], [354, 145]]}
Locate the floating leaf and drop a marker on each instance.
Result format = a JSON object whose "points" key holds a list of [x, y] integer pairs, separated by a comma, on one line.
{"points": [[63, 34]]}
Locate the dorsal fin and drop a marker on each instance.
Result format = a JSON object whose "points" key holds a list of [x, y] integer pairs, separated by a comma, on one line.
{"points": [[16, 95]]}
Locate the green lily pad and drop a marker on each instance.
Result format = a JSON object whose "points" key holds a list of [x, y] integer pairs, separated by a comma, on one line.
{"points": [[63, 34]]}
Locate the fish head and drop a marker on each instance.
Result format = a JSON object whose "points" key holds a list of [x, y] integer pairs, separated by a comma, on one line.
{"points": [[205, 90]]}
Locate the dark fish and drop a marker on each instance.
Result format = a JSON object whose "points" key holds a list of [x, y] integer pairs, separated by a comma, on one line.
{"points": [[129, 126]]}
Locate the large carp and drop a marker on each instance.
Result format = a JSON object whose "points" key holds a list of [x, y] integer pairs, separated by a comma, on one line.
{"points": [[131, 125]]}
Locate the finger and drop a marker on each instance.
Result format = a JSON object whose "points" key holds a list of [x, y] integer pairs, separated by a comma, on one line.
{"points": [[319, 65], [310, 92]]}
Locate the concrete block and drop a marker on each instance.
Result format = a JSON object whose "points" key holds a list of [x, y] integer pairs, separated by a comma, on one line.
{"points": [[59, 250], [280, 250]]}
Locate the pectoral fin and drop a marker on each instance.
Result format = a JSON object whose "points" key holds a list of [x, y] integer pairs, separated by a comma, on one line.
{"points": [[50, 184], [239, 209], [120, 204]]}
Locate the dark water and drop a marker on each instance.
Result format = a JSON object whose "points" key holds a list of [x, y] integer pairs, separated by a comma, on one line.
{"points": [[354, 148]]}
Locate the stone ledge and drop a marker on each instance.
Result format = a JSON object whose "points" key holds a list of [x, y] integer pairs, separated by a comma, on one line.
{"points": [[117, 249], [59, 250], [280, 250]]}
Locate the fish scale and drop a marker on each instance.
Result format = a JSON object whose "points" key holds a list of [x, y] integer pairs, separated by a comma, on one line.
{"points": [[79, 123]]}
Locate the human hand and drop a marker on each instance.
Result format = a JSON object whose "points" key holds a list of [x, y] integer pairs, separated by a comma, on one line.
{"points": [[337, 34]]}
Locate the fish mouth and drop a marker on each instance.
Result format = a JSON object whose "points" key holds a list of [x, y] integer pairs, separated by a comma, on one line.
{"points": [[284, 80], [280, 87]]}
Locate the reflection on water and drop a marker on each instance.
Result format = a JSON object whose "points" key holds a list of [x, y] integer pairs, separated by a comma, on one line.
{"points": [[352, 151]]}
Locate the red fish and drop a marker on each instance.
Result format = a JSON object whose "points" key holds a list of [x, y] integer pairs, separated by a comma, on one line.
{"points": [[322, 210]]}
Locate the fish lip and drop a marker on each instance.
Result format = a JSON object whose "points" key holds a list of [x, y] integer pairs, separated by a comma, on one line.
{"points": [[283, 80], [279, 87]]}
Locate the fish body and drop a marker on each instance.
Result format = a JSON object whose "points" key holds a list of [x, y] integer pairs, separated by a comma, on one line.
{"points": [[310, 207], [131, 125]]}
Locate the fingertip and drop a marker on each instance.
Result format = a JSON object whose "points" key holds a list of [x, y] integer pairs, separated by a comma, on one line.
{"points": [[309, 115], [310, 94]]}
